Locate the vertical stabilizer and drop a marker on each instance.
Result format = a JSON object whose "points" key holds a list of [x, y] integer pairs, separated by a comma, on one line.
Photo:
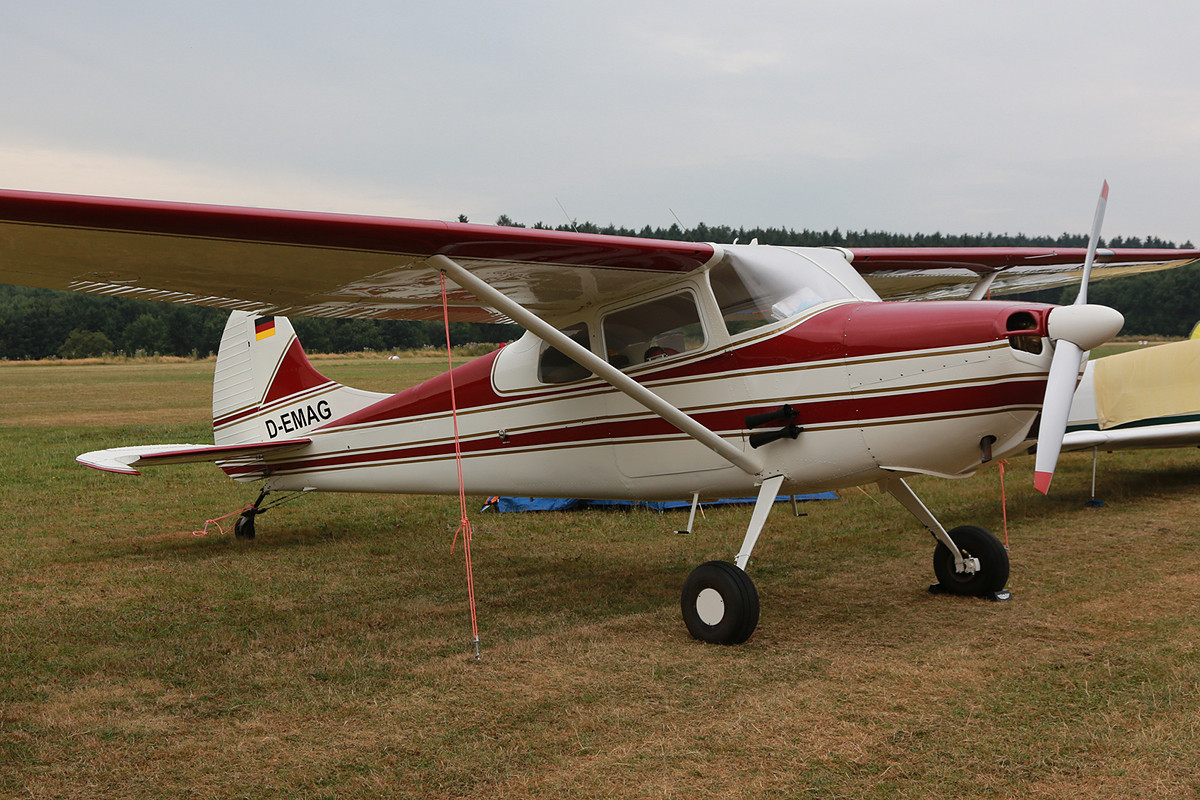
{"points": [[265, 389]]}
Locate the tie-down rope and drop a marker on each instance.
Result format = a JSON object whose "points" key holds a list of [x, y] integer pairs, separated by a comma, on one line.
{"points": [[464, 525]]}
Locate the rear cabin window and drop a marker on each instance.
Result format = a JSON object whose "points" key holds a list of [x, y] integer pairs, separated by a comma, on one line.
{"points": [[658, 329], [555, 366]]}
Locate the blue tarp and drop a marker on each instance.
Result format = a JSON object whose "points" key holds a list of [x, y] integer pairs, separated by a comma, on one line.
{"points": [[507, 504]]}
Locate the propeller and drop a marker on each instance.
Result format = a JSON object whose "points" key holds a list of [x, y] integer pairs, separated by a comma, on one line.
{"points": [[1076, 329]]}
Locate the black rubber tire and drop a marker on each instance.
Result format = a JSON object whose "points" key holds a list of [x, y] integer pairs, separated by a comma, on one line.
{"points": [[974, 542], [243, 528], [739, 615]]}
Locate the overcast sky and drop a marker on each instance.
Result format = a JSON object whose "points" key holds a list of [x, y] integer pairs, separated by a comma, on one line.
{"points": [[915, 116]]}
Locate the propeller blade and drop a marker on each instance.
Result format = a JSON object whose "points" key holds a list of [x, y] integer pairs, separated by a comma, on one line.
{"points": [[1060, 390], [1097, 221]]}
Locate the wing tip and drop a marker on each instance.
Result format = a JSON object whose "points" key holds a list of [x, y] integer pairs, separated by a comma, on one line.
{"points": [[105, 465]]}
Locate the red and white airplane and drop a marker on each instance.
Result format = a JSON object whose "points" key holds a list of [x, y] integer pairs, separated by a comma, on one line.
{"points": [[649, 370]]}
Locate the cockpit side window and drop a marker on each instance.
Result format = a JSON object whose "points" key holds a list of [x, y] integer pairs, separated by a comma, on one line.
{"points": [[554, 366], [758, 285], [660, 328], [739, 307]]}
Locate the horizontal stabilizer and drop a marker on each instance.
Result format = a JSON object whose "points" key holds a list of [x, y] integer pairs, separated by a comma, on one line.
{"points": [[125, 459]]}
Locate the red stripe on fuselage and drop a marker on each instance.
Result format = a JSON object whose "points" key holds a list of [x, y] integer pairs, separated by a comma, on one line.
{"points": [[229, 419], [839, 413]]}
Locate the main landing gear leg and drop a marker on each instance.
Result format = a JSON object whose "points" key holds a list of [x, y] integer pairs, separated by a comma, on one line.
{"points": [[719, 602], [968, 560]]}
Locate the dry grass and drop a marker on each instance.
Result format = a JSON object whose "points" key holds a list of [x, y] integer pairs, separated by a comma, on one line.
{"points": [[330, 658]]}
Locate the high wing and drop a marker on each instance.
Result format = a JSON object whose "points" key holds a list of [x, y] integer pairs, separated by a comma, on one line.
{"points": [[296, 263], [942, 273], [312, 264]]}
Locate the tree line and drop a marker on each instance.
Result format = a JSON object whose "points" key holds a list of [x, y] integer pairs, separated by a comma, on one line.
{"points": [[41, 323]]}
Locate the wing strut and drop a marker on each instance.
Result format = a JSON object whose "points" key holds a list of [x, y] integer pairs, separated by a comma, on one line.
{"points": [[980, 290], [747, 462]]}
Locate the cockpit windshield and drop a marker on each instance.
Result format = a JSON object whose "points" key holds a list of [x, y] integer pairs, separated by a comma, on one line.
{"points": [[756, 286]]}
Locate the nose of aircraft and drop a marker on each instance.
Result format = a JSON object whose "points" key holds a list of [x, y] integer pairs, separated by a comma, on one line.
{"points": [[1076, 328], [1085, 326]]}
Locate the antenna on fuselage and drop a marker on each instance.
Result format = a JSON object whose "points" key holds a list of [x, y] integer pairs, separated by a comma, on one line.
{"points": [[678, 221], [570, 221]]}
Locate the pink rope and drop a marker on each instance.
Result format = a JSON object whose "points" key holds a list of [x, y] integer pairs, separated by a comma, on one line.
{"points": [[221, 531], [1004, 502], [464, 526]]}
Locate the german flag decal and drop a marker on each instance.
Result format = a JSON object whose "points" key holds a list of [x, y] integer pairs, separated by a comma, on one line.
{"points": [[263, 328]]}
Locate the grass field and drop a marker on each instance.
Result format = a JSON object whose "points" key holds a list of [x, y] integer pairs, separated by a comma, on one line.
{"points": [[331, 658]]}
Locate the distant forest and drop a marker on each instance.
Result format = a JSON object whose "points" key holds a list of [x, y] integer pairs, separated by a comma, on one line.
{"points": [[39, 323]]}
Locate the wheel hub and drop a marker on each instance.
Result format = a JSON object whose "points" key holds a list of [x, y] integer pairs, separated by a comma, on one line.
{"points": [[969, 566], [710, 606]]}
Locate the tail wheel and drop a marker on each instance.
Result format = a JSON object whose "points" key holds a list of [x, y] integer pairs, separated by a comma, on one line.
{"points": [[720, 603], [973, 542], [243, 528]]}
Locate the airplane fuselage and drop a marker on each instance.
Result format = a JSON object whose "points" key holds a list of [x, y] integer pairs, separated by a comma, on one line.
{"points": [[879, 388]]}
